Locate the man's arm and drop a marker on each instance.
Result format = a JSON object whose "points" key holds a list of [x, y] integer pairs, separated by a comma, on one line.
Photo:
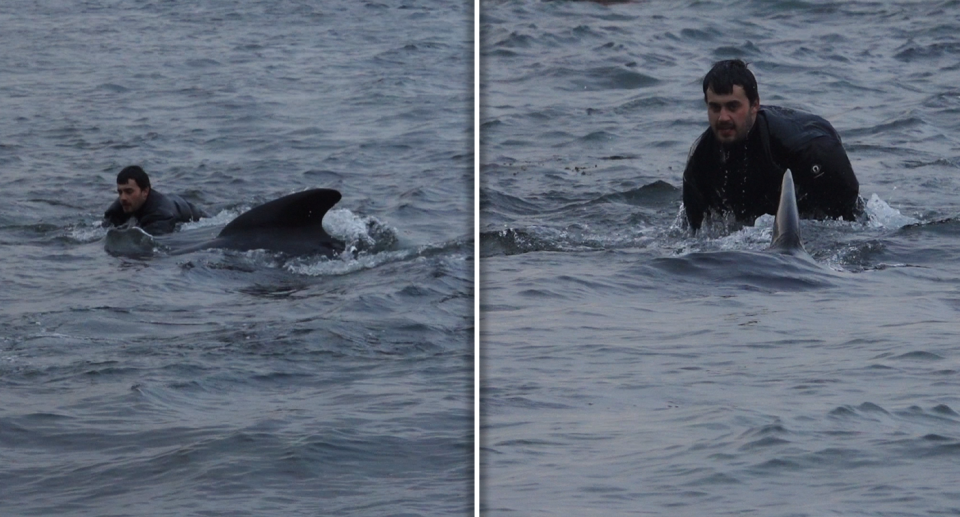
{"points": [[693, 200], [187, 211], [166, 212], [693, 204], [113, 216], [810, 147], [826, 183], [158, 224]]}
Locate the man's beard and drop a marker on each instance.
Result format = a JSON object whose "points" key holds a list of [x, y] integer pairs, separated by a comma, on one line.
{"points": [[739, 141]]}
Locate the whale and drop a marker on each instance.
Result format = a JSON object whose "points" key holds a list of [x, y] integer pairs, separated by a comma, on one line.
{"points": [[291, 225], [786, 223], [783, 265]]}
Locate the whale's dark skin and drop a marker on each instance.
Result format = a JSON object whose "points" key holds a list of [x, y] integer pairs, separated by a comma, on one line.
{"points": [[292, 225], [786, 225]]}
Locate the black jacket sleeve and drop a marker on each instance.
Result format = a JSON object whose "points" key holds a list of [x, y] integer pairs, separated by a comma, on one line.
{"points": [[810, 147], [694, 201], [114, 215], [158, 223], [825, 181], [164, 211]]}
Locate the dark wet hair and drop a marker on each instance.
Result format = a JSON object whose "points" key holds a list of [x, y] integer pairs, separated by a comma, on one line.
{"points": [[729, 73], [135, 173]]}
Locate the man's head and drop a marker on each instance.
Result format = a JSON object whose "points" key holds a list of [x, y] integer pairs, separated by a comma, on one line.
{"points": [[133, 186], [730, 91]]}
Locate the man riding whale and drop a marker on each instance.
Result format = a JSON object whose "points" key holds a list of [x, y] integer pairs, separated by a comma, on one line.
{"points": [[737, 165], [292, 224]]}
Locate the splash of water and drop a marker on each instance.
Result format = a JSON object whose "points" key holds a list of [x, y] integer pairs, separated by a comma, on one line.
{"points": [[882, 215], [360, 234], [221, 219]]}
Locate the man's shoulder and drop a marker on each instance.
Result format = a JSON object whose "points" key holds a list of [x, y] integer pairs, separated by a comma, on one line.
{"points": [[157, 205], [793, 127], [178, 208], [703, 142], [156, 198], [163, 205], [788, 114], [699, 157]]}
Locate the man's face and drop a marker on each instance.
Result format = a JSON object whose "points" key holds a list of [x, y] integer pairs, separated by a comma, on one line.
{"points": [[731, 116], [132, 196]]}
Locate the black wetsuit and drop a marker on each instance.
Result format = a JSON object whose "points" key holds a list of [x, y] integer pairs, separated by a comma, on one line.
{"points": [[745, 177], [159, 214]]}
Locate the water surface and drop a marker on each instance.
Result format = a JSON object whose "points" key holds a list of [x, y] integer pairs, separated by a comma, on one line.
{"points": [[628, 368], [226, 383]]}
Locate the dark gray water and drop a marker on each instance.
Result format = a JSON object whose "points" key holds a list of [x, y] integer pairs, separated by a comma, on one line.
{"points": [[226, 383], [627, 368]]}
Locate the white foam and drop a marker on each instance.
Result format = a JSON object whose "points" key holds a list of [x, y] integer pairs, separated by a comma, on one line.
{"points": [[348, 227], [221, 219], [882, 215], [86, 234], [757, 236], [345, 264]]}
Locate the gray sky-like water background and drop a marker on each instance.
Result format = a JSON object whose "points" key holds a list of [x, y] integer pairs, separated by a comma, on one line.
{"points": [[221, 382], [628, 368]]}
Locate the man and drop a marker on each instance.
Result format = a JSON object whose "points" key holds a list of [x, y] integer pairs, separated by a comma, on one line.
{"points": [[737, 164], [140, 205]]}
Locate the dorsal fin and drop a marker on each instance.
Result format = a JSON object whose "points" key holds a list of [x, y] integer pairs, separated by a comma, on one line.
{"points": [[299, 210], [786, 225]]}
